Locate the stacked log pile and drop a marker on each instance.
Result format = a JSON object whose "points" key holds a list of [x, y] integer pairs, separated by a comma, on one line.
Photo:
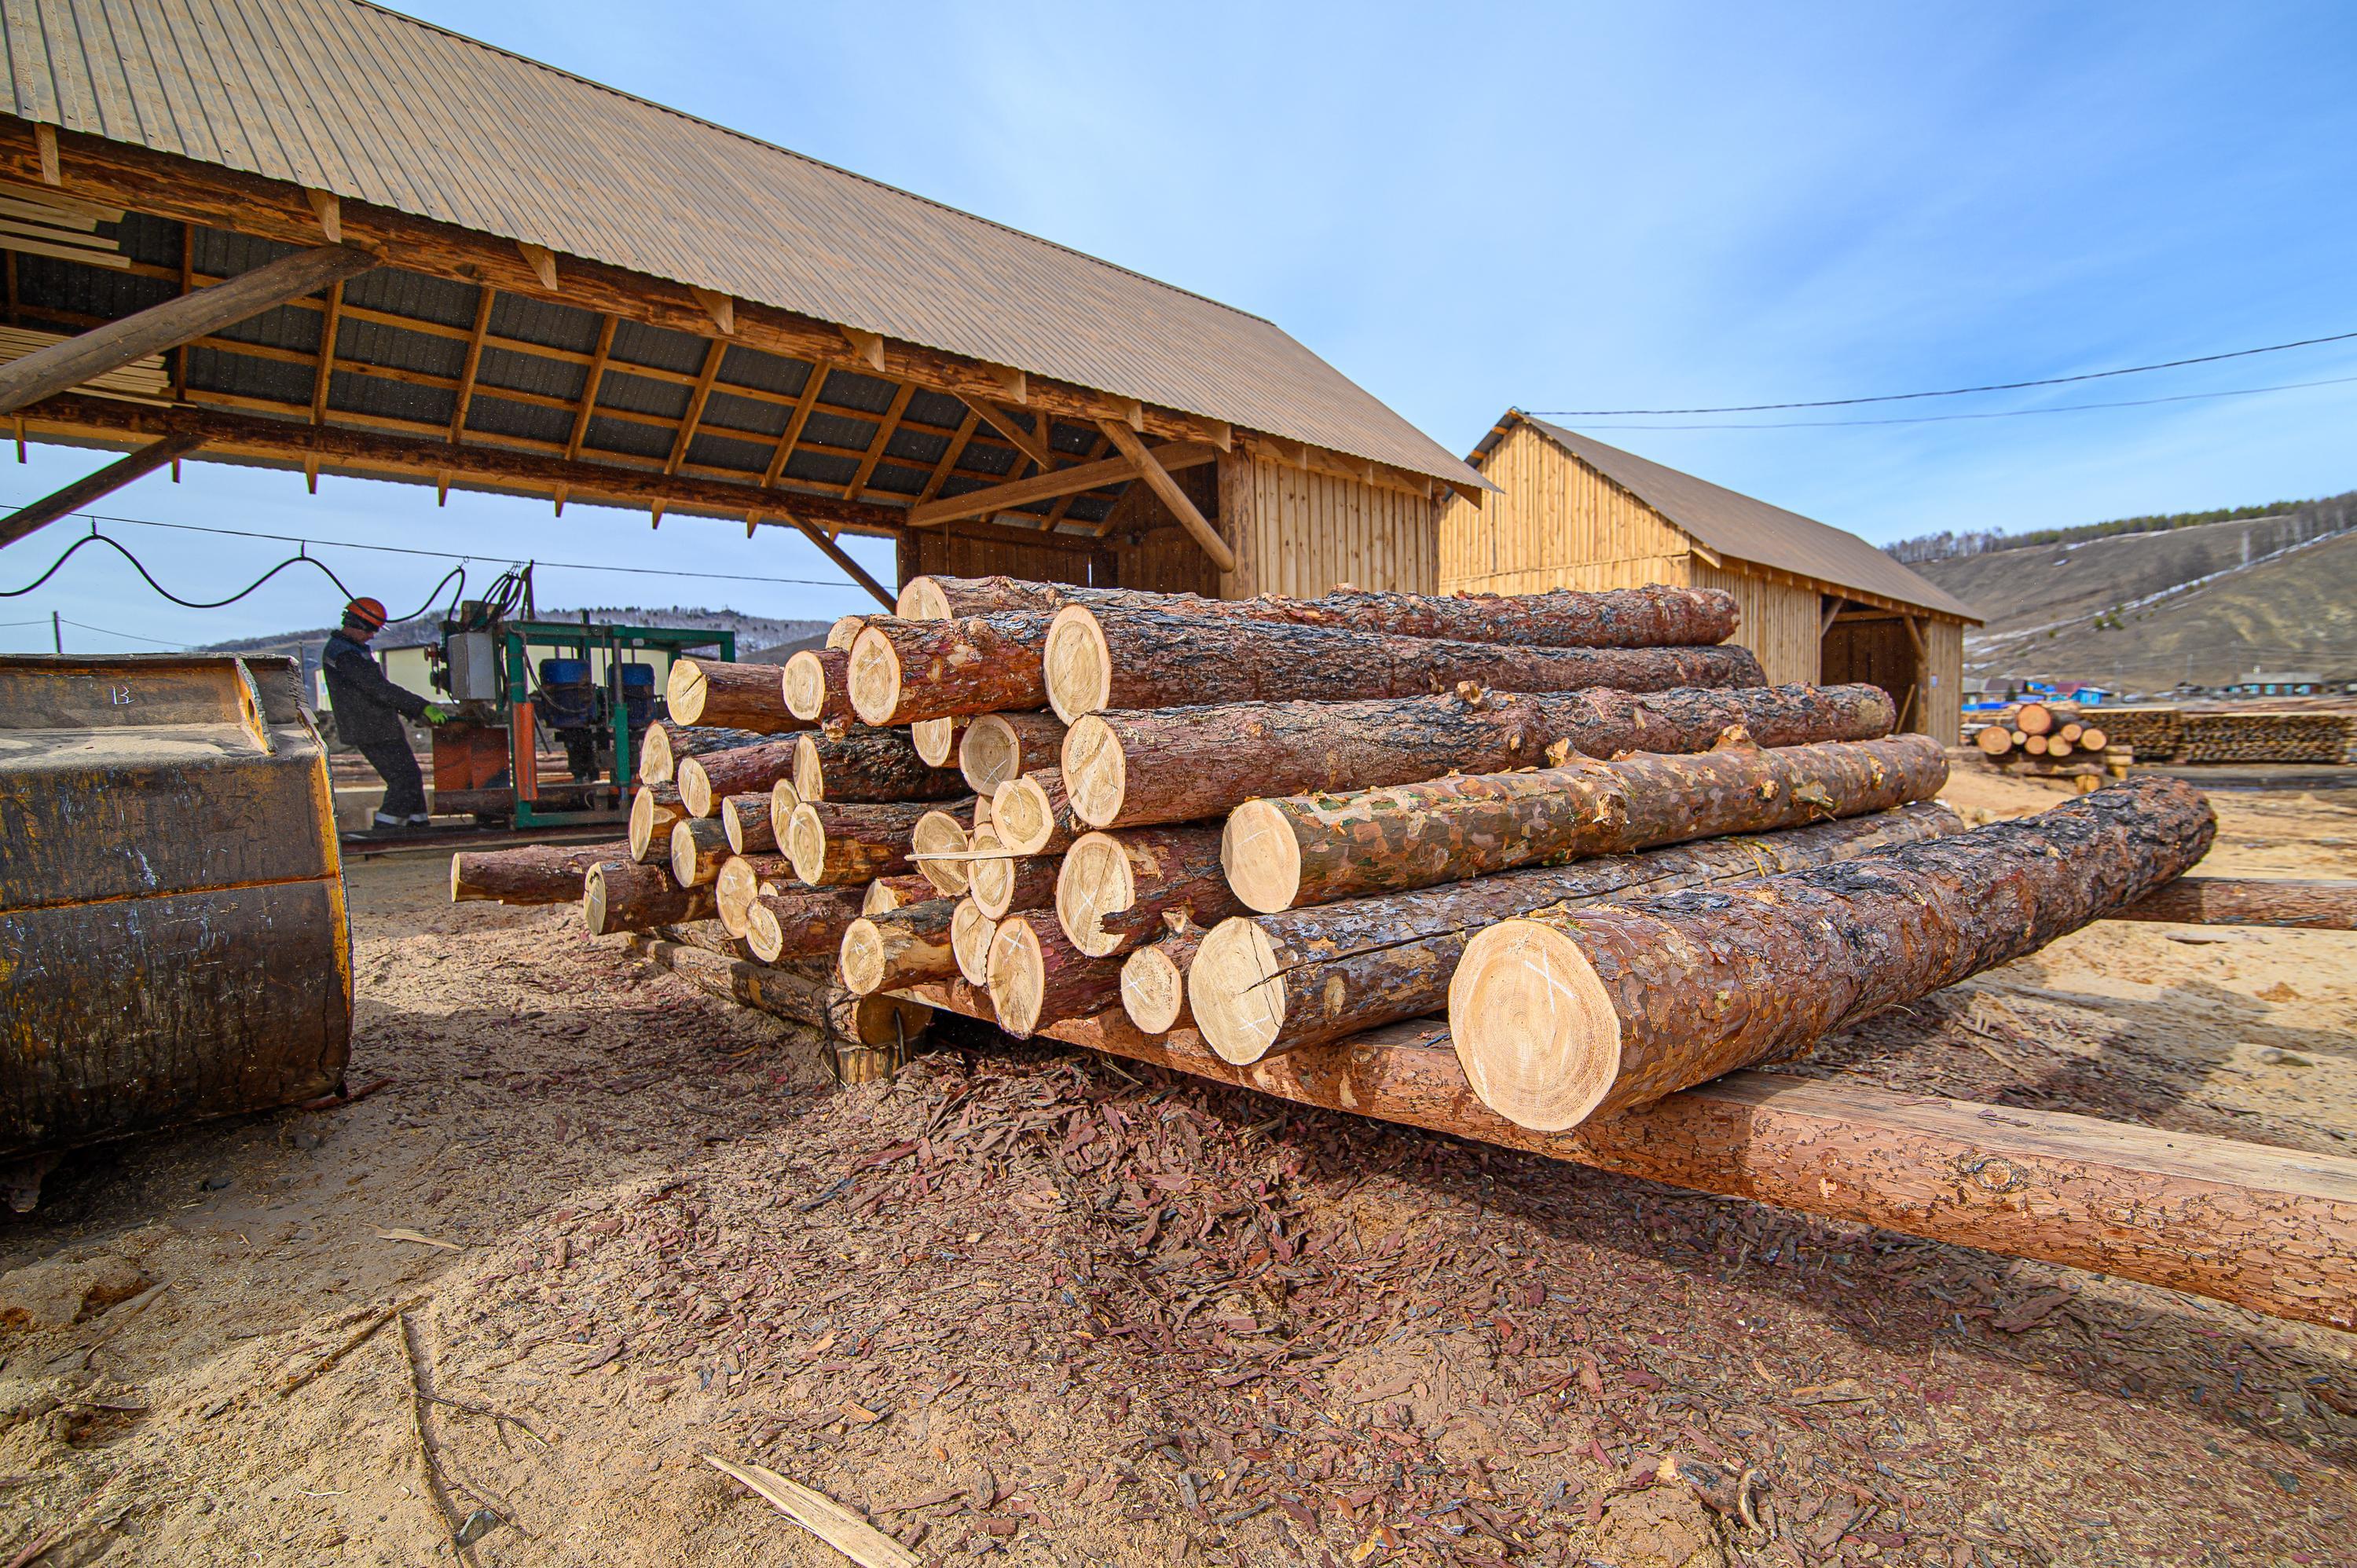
{"points": [[2032, 733]]}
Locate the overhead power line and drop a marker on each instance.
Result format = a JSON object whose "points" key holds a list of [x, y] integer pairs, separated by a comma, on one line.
{"points": [[1997, 414], [1950, 392]]}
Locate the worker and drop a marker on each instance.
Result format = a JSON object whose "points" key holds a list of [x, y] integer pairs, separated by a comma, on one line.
{"points": [[369, 710]]}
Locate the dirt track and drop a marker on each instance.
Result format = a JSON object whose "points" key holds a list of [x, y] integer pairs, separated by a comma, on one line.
{"points": [[1044, 1306]]}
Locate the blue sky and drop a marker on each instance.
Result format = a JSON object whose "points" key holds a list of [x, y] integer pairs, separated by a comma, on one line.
{"points": [[1466, 208]]}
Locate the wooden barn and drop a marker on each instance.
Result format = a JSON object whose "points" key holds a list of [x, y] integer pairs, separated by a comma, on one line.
{"points": [[322, 236], [1818, 604]]}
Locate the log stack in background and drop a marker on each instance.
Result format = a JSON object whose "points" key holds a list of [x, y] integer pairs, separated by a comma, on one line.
{"points": [[2322, 735]]}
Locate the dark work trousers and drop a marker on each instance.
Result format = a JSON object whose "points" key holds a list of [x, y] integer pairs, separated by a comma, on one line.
{"points": [[404, 788]]}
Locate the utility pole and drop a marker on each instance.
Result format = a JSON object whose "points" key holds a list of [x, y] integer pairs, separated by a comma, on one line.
{"points": [[57, 632]]}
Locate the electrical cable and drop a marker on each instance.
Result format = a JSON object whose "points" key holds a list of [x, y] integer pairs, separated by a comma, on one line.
{"points": [[94, 537], [1997, 414], [1951, 391], [133, 636]]}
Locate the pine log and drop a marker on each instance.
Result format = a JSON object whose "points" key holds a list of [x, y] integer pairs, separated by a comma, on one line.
{"points": [[2035, 745], [2318, 905], [698, 846], [668, 743], [800, 922], [1154, 979], [530, 873], [743, 878], [1563, 1017], [937, 740], [2073, 731], [893, 892], [970, 934], [1000, 747], [1179, 764], [1113, 889], [858, 763], [2043, 718], [982, 810], [948, 598], [1263, 984], [626, 895], [654, 808], [706, 781], [746, 819], [783, 991], [1001, 884], [1036, 976], [2093, 739], [1033, 816], [817, 685], [899, 948], [1101, 659], [844, 632], [938, 846], [904, 671], [1313, 849], [782, 801], [1994, 739], [744, 696], [835, 844]]}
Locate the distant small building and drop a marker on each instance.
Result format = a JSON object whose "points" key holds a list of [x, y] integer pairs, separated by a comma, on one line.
{"points": [[2259, 683]]}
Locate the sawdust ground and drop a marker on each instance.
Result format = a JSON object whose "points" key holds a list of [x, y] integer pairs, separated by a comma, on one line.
{"points": [[1018, 1303]]}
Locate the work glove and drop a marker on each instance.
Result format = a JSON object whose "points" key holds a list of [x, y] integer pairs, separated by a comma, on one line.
{"points": [[436, 713]]}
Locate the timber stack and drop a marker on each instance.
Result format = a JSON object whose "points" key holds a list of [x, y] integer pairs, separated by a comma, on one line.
{"points": [[2059, 732]]}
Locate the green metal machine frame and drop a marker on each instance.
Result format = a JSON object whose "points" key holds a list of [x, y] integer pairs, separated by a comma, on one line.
{"points": [[581, 639]]}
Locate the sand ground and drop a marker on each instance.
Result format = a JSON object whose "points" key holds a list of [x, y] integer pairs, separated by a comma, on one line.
{"points": [[1019, 1302]]}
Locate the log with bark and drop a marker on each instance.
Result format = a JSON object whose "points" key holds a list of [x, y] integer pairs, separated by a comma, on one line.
{"points": [[782, 801], [892, 892], [742, 696], [698, 846], [1002, 883], [784, 991], [948, 599], [530, 873], [905, 671], [1995, 740], [2318, 905], [899, 948], [746, 819], [742, 879], [817, 684], [835, 843], [857, 763], [844, 632], [654, 808], [1591, 1012], [1179, 764], [1313, 849], [1154, 978], [937, 740], [1100, 659], [1113, 889], [800, 922], [1000, 747], [970, 934], [1036, 975], [628, 896], [1033, 816], [667, 743], [1263, 984], [706, 781]]}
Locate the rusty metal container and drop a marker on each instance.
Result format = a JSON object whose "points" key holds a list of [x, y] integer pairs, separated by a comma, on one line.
{"points": [[173, 938]]}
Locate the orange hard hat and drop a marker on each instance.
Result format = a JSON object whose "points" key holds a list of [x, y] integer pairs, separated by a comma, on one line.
{"points": [[367, 611]]}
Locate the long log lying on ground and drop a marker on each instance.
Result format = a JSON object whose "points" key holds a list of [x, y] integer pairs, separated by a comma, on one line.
{"points": [[937, 740], [939, 845], [1560, 1017], [817, 684], [1315, 849], [784, 992], [835, 844], [746, 819], [667, 744], [654, 808], [1262, 984], [1000, 747], [529, 874], [699, 846], [1181, 764], [625, 896], [899, 948], [905, 671], [742, 696], [1033, 815], [1652, 616], [1002, 883], [862, 764], [1096, 660], [800, 922], [706, 781], [1154, 979], [1113, 889], [742, 879], [2319, 904], [1036, 976]]}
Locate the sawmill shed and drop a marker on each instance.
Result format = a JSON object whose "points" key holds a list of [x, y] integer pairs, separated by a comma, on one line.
{"points": [[461, 268], [1819, 603]]}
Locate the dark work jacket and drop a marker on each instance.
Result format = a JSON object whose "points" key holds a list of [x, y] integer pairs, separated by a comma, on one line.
{"points": [[366, 704]]}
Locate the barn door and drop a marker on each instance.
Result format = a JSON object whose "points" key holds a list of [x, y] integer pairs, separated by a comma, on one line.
{"points": [[1877, 650]]}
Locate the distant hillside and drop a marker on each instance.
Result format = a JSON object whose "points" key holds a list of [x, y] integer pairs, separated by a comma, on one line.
{"points": [[1942, 545], [2205, 603]]}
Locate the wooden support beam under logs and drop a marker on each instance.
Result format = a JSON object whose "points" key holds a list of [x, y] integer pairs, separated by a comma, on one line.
{"points": [[1156, 476], [1057, 482], [72, 498], [63, 366]]}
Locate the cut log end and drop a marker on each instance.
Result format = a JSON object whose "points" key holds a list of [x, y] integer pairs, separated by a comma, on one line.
{"points": [[1095, 880], [784, 798], [1023, 815], [804, 842], [1236, 990], [939, 833], [804, 684], [1153, 990], [921, 600], [1017, 977], [810, 773], [937, 740], [459, 891], [844, 632], [1077, 664], [970, 934], [1994, 739], [685, 691], [893, 893], [1534, 1026], [695, 789], [1096, 771], [862, 958], [593, 900], [765, 934], [875, 677], [656, 764], [990, 754], [1260, 857]]}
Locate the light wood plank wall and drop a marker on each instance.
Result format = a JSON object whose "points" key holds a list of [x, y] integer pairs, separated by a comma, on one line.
{"points": [[1782, 624], [1559, 525], [1300, 532], [1943, 701]]}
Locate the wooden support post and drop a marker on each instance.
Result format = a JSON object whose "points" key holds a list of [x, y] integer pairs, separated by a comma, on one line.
{"points": [[1182, 505], [62, 366], [842, 557], [82, 492]]}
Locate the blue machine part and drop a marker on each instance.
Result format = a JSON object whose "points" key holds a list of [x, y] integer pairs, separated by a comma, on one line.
{"points": [[565, 700], [639, 694]]}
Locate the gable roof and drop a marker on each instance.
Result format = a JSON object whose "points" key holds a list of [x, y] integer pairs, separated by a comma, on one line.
{"points": [[375, 106], [1727, 522]]}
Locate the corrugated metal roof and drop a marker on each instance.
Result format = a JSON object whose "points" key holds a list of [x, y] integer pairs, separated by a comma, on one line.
{"points": [[382, 108], [1729, 523]]}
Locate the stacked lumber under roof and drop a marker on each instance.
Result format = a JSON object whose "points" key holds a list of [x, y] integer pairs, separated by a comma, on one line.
{"points": [[1265, 837]]}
